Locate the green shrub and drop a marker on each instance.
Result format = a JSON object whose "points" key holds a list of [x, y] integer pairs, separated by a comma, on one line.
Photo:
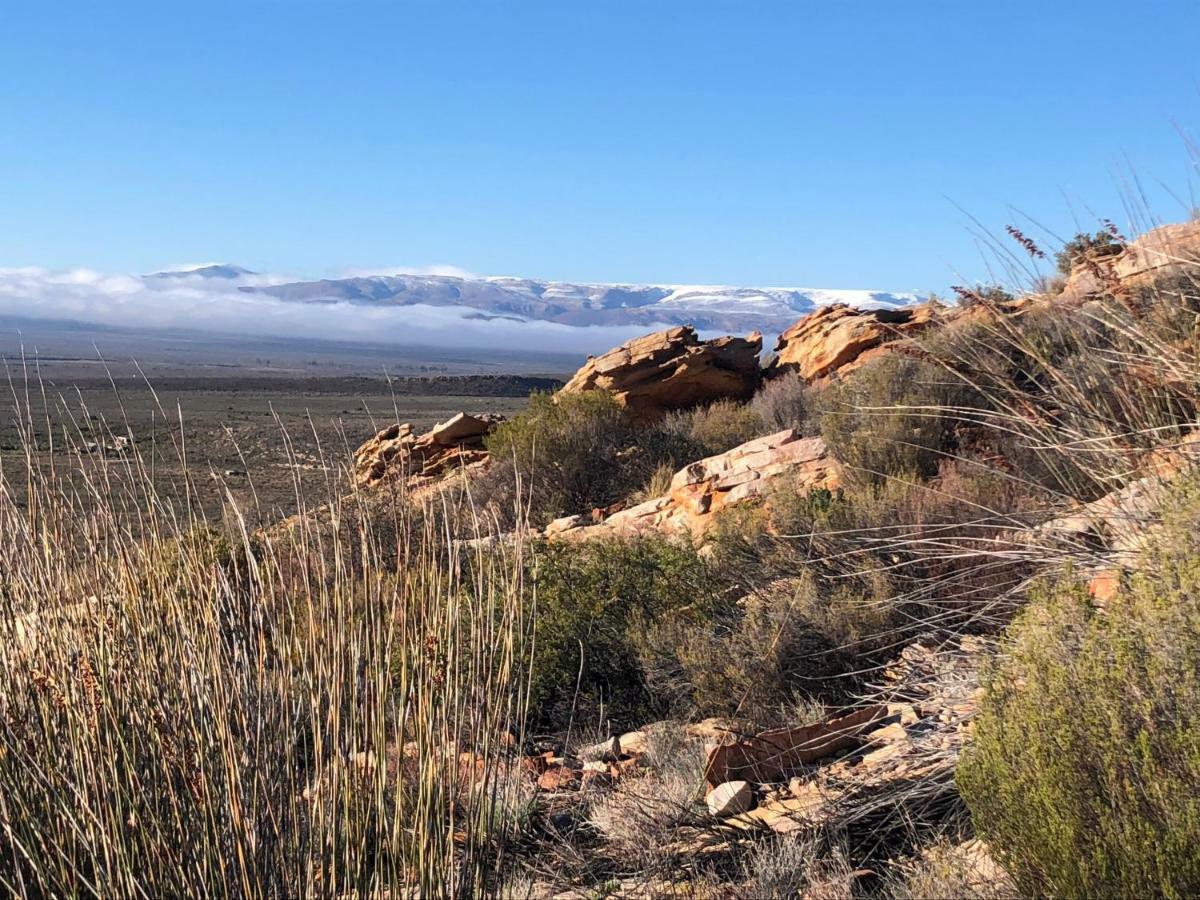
{"points": [[592, 599], [1086, 246], [572, 452], [1084, 775], [983, 293]]}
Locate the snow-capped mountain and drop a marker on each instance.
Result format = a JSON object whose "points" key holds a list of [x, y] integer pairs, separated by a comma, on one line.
{"points": [[434, 309], [708, 307]]}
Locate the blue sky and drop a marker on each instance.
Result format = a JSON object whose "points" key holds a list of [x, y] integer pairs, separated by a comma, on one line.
{"points": [[813, 144]]}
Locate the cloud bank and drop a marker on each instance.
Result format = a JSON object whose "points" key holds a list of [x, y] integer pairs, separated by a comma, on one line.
{"points": [[188, 301]]}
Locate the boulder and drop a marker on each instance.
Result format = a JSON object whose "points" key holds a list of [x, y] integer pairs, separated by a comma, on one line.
{"points": [[1162, 251], [836, 339], [449, 446], [672, 369], [730, 799], [559, 778], [703, 488]]}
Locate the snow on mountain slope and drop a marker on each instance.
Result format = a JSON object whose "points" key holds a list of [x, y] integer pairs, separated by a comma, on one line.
{"points": [[438, 309], [708, 307]]}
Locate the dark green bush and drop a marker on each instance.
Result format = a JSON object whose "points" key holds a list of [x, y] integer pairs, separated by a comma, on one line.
{"points": [[983, 293], [1086, 246], [592, 599], [572, 452], [1084, 775]]}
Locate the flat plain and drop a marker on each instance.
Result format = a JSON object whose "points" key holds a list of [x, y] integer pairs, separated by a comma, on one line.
{"points": [[261, 420]]}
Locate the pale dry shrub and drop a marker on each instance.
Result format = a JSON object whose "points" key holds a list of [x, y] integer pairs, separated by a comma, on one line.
{"points": [[944, 869], [785, 402], [789, 866], [637, 817]]}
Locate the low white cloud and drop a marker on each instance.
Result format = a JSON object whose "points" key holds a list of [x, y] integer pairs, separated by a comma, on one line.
{"points": [[216, 305]]}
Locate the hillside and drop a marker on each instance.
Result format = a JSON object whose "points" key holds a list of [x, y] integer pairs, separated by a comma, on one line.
{"points": [[913, 610]]}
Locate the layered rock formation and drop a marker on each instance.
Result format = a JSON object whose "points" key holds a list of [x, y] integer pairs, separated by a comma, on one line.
{"points": [[450, 446], [1162, 251], [836, 339], [703, 488], [903, 750], [673, 369]]}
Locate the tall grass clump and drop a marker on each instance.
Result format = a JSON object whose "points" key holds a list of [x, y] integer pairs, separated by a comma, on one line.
{"points": [[191, 708]]}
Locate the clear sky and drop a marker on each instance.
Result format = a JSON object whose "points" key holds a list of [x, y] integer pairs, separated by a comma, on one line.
{"points": [[809, 144]]}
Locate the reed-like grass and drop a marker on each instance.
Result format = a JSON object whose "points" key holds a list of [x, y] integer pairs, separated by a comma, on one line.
{"points": [[324, 708]]}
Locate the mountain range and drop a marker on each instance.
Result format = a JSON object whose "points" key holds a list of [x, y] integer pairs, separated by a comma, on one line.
{"points": [[445, 309], [708, 307]]}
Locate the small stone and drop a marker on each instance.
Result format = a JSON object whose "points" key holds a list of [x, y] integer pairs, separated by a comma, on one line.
{"points": [[730, 799], [632, 743], [559, 778]]}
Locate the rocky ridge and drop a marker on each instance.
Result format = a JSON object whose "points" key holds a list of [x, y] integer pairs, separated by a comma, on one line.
{"points": [[838, 339]]}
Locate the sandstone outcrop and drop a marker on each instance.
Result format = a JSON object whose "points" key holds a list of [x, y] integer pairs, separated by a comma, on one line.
{"points": [[1162, 251], [672, 369], [834, 340], [448, 447], [730, 799], [703, 488], [776, 754]]}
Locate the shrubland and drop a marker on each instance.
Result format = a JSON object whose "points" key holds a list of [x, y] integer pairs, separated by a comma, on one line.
{"points": [[351, 702]]}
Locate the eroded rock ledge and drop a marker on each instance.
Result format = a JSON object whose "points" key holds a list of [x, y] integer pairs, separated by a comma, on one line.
{"points": [[839, 338], [703, 488], [395, 451], [672, 369]]}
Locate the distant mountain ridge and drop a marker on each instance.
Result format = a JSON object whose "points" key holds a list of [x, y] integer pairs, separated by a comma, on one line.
{"points": [[216, 270], [708, 307]]}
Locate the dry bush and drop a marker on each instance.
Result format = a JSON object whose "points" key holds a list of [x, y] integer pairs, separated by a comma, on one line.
{"points": [[716, 428], [637, 818], [896, 416], [759, 661], [784, 402], [789, 866], [944, 869]]}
